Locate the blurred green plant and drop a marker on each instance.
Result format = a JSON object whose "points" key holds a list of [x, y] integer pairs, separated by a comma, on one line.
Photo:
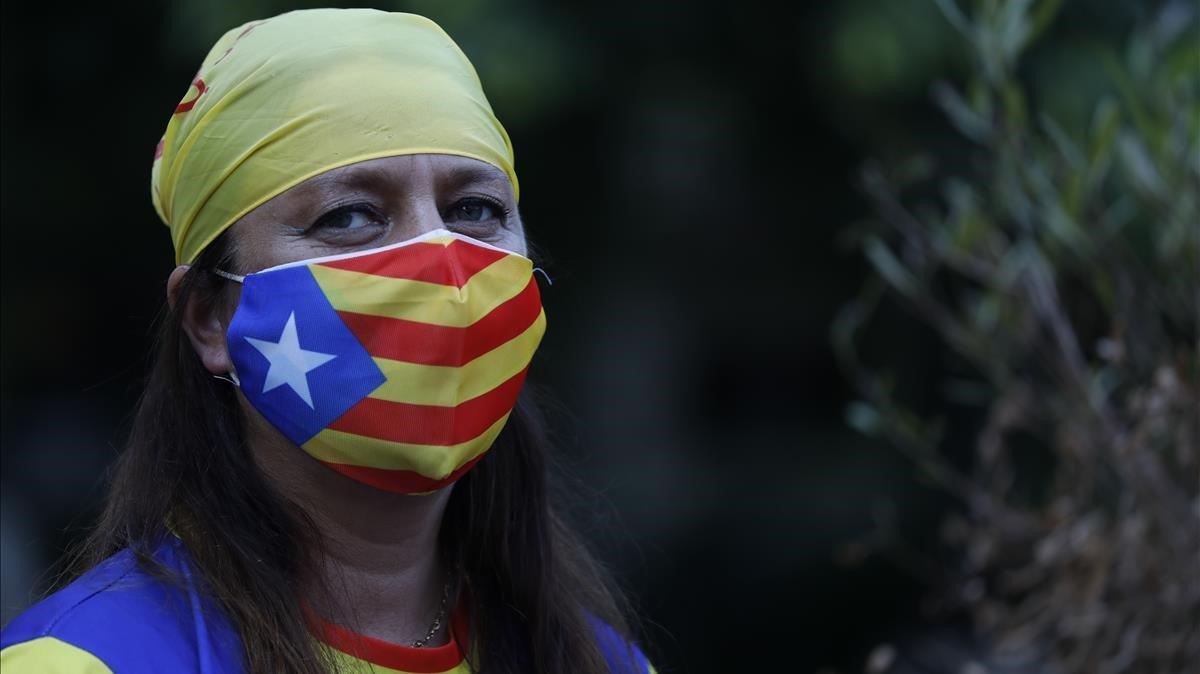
{"points": [[1062, 267]]}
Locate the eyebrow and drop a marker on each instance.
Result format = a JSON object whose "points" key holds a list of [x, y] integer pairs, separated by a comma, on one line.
{"points": [[357, 177], [462, 175]]}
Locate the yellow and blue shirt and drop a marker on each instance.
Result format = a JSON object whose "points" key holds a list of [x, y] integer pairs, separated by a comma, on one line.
{"points": [[119, 619]]}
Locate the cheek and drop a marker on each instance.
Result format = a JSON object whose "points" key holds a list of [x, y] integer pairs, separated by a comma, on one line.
{"points": [[284, 248], [520, 246], [513, 243], [229, 303], [263, 242], [514, 240]]}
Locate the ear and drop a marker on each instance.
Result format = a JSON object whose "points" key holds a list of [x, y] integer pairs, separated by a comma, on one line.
{"points": [[201, 322]]}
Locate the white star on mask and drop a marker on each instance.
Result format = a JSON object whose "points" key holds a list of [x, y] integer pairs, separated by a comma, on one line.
{"points": [[289, 363]]}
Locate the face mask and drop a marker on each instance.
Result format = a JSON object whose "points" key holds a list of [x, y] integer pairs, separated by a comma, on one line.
{"points": [[396, 366]]}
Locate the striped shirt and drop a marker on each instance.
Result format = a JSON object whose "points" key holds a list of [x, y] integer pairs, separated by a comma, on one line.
{"points": [[118, 619]]}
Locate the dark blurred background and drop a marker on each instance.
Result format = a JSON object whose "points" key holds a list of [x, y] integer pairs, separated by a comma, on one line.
{"points": [[687, 170]]}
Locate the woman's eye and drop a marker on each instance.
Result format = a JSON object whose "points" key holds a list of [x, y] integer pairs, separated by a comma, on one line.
{"points": [[350, 218], [476, 210]]}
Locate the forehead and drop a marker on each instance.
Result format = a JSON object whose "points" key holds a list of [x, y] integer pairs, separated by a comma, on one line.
{"points": [[415, 171]]}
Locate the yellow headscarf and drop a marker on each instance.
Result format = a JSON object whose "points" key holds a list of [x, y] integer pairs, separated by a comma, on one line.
{"points": [[281, 100]]}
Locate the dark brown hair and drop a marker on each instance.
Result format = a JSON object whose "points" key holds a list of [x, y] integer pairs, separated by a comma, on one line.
{"points": [[530, 582]]}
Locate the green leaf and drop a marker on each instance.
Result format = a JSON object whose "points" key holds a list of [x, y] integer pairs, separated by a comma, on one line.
{"points": [[986, 312], [1043, 15], [890, 268], [970, 232], [1128, 91], [1063, 227], [1140, 57], [864, 418], [980, 96], [1135, 159], [1066, 147], [911, 171], [1012, 267], [1106, 123], [1013, 29], [966, 120], [1014, 105], [955, 16], [961, 197]]}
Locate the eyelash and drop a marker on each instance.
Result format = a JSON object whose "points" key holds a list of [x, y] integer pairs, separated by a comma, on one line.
{"points": [[327, 217], [501, 210]]}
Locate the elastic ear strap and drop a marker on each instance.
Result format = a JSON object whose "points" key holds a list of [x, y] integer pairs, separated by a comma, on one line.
{"points": [[231, 277], [232, 378]]}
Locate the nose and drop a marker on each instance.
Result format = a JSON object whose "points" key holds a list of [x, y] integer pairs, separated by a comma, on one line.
{"points": [[415, 207], [420, 217]]}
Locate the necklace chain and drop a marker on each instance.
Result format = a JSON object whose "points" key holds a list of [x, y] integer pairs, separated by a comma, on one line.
{"points": [[437, 619]]}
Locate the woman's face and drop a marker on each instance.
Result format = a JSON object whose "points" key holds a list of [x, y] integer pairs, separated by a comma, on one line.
{"points": [[365, 205], [376, 203]]}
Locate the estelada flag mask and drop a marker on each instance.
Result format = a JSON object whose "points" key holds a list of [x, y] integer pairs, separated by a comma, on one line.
{"points": [[397, 366]]}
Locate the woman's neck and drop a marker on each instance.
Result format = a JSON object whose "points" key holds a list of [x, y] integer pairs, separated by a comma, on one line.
{"points": [[377, 570]]}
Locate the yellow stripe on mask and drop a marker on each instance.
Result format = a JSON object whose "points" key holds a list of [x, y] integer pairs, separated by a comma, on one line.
{"points": [[425, 302], [429, 384], [432, 461]]}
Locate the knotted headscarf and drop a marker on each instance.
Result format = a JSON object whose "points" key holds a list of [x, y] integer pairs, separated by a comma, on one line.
{"points": [[282, 100]]}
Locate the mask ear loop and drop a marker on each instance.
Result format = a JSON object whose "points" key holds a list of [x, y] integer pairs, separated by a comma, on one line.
{"points": [[546, 276], [232, 377], [229, 277]]}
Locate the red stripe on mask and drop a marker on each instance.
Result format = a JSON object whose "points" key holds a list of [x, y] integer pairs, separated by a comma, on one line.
{"points": [[425, 262], [427, 344], [400, 481], [430, 424]]}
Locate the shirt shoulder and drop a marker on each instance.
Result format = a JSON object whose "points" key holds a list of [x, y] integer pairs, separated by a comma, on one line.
{"points": [[127, 620], [48, 655], [623, 656]]}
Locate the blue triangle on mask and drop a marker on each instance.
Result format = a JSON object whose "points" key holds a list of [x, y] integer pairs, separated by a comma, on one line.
{"points": [[290, 348]]}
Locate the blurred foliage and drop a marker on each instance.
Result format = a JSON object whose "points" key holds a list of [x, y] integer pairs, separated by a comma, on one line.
{"points": [[882, 49], [1058, 262]]}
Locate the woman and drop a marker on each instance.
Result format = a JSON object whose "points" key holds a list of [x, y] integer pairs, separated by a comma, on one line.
{"points": [[333, 467]]}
